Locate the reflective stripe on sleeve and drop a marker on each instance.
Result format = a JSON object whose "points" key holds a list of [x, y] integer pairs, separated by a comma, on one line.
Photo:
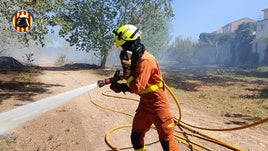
{"points": [[131, 78], [153, 88]]}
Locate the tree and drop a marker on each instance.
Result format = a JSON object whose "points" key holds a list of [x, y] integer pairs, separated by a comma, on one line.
{"points": [[264, 39], [226, 38], [88, 24], [180, 51], [156, 33], [208, 38], [7, 37], [152, 17], [215, 39], [244, 37]]}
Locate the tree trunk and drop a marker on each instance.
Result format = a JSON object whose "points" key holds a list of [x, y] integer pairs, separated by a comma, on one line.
{"points": [[104, 59]]}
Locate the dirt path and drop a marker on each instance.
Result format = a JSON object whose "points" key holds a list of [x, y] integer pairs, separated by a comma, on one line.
{"points": [[80, 125]]}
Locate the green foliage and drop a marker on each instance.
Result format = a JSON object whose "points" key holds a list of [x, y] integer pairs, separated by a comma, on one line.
{"points": [[7, 36], [240, 43], [24, 77], [263, 68], [6, 142], [208, 38], [202, 96], [88, 24], [244, 37], [244, 33], [226, 38], [139, 11], [156, 35], [221, 72], [215, 39], [153, 19]]}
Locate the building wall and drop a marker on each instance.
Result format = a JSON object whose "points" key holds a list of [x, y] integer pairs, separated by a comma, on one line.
{"points": [[261, 31], [206, 55], [231, 27], [265, 11]]}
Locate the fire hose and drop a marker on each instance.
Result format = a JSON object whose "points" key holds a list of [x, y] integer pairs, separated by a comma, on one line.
{"points": [[183, 138]]}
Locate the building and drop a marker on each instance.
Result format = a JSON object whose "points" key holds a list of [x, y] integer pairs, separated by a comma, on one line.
{"points": [[231, 27], [261, 44]]}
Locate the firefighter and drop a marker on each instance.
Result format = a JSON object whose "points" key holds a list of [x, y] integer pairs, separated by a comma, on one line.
{"points": [[143, 76]]}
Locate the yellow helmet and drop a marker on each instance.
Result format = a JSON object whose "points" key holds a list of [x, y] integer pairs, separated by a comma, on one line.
{"points": [[126, 33]]}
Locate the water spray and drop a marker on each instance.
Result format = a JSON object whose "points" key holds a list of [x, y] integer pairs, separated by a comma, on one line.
{"points": [[13, 118]]}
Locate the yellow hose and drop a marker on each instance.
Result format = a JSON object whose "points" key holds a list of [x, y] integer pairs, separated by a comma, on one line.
{"points": [[107, 136], [180, 124], [176, 101], [229, 129], [211, 139]]}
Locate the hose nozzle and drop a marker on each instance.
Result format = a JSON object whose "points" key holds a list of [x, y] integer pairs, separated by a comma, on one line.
{"points": [[104, 82], [114, 79], [101, 83]]}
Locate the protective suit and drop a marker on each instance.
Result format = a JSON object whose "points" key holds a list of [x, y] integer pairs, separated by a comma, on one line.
{"points": [[154, 107], [145, 80]]}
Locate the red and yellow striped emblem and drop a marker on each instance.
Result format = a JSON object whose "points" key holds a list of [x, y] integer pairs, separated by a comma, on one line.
{"points": [[29, 18]]}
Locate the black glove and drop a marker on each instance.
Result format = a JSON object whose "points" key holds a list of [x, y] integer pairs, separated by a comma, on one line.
{"points": [[125, 88], [126, 63], [116, 87], [119, 87]]}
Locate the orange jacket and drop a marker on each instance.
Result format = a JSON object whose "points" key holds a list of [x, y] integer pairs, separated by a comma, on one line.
{"points": [[146, 74]]}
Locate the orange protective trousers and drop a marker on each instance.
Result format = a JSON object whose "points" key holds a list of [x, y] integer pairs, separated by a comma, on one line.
{"points": [[163, 122]]}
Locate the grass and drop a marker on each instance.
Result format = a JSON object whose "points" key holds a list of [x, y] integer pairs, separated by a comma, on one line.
{"points": [[224, 93], [6, 142], [24, 77], [28, 75], [263, 68]]}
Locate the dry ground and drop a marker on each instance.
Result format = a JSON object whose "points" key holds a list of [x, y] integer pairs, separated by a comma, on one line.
{"points": [[81, 125]]}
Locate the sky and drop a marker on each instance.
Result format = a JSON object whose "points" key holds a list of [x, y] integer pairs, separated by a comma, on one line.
{"points": [[193, 17]]}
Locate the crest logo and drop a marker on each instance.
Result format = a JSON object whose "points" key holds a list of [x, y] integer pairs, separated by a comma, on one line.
{"points": [[22, 21]]}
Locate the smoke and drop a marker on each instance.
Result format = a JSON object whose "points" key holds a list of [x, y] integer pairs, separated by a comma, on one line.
{"points": [[196, 60], [113, 58], [50, 54]]}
